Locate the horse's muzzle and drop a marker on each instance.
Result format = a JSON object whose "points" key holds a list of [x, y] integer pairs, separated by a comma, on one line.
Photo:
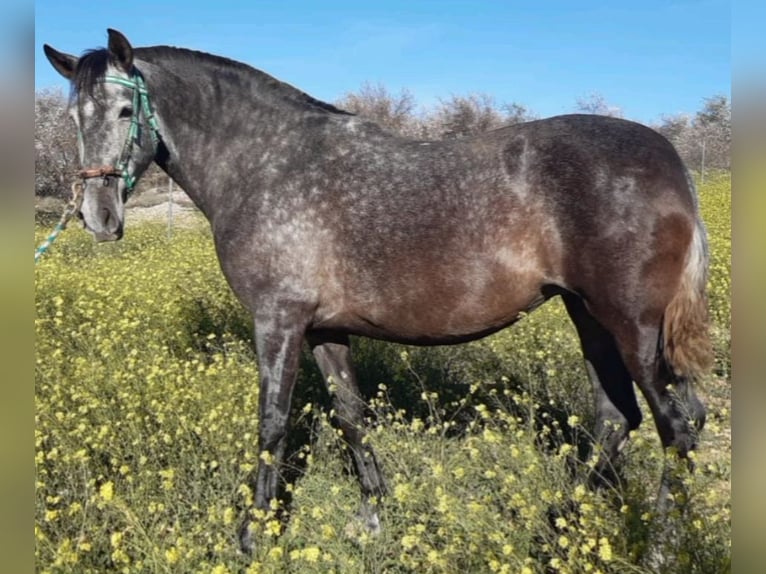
{"points": [[101, 214], [111, 226]]}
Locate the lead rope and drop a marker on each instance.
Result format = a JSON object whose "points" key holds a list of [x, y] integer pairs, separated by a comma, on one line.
{"points": [[71, 208]]}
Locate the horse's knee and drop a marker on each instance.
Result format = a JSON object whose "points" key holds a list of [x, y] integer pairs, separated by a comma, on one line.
{"points": [[272, 433]]}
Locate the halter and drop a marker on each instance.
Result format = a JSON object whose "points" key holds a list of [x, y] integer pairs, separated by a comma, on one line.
{"points": [[140, 104]]}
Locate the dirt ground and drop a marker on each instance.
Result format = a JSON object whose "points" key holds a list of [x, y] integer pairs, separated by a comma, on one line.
{"points": [[177, 214]]}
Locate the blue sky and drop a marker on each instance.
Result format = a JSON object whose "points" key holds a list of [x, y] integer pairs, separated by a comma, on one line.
{"points": [[648, 57]]}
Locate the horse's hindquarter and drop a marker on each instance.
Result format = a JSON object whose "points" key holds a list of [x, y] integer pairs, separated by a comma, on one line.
{"points": [[623, 206]]}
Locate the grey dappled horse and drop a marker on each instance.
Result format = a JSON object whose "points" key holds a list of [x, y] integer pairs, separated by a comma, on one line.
{"points": [[327, 226]]}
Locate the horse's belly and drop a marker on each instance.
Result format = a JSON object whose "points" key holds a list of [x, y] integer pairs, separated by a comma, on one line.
{"points": [[436, 312], [435, 328]]}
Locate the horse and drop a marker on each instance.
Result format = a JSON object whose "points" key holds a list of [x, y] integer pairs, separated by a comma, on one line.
{"points": [[326, 227]]}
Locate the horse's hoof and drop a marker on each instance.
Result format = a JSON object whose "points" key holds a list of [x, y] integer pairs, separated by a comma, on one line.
{"points": [[364, 524], [245, 535], [656, 561]]}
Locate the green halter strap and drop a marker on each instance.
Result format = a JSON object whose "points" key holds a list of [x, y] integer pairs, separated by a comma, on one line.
{"points": [[141, 104]]}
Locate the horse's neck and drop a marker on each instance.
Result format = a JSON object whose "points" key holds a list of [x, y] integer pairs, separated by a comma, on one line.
{"points": [[214, 138]]}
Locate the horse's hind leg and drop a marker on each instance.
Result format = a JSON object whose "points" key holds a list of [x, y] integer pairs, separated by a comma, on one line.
{"points": [[333, 356], [617, 411], [678, 414], [659, 320]]}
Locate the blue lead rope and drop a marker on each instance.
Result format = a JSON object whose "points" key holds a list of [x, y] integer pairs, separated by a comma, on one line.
{"points": [[71, 209]]}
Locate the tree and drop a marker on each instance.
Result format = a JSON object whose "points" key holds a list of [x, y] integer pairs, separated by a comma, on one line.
{"points": [[462, 116], [704, 140], [678, 130], [595, 103], [56, 156], [393, 112], [472, 114], [675, 128], [712, 127], [455, 117], [517, 114]]}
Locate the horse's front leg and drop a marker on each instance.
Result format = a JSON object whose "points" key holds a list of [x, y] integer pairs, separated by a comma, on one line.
{"points": [[279, 333]]}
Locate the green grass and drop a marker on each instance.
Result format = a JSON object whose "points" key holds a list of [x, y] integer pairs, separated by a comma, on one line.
{"points": [[146, 426]]}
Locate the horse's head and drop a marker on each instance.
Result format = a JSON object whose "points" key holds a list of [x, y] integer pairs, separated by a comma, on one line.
{"points": [[117, 133]]}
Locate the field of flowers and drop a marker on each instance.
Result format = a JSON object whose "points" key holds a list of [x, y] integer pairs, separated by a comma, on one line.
{"points": [[146, 426]]}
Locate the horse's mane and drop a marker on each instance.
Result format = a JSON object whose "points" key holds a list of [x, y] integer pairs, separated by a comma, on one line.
{"points": [[92, 66]]}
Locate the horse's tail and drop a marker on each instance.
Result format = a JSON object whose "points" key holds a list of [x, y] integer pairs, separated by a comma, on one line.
{"points": [[686, 338]]}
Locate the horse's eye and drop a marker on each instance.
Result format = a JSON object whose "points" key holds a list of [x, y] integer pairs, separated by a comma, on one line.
{"points": [[126, 112]]}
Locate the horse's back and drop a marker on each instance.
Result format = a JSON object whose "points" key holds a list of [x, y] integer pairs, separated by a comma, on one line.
{"points": [[579, 153]]}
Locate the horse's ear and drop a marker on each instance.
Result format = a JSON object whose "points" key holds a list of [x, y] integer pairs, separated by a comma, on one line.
{"points": [[120, 49], [63, 63]]}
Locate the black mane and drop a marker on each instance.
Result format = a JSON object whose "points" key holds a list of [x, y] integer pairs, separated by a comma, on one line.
{"points": [[91, 67], [93, 64]]}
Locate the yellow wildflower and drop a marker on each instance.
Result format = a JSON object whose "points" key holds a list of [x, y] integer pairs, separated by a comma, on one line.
{"points": [[106, 491]]}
